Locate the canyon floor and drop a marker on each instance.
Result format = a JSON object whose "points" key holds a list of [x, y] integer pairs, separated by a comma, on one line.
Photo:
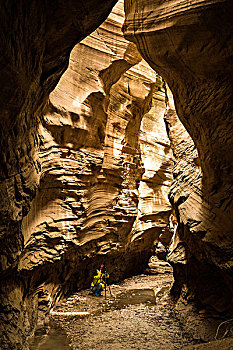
{"points": [[138, 313]]}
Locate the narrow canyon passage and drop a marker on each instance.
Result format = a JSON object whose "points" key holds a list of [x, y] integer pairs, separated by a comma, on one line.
{"points": [[133, 316], [116, 146], [138, 313]]}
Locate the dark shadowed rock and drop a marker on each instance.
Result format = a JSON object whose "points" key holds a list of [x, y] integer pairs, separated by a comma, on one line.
{"points": [[36, 40], [190, 44]]}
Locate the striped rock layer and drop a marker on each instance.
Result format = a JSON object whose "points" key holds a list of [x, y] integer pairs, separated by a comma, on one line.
{"points": [[104, 173], [190, 44], [106, 166]]}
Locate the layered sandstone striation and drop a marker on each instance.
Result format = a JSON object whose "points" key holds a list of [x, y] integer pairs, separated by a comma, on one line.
{"points": [[99, 154], [190, 45], [106, 167], [97, 151], [36, 40]]}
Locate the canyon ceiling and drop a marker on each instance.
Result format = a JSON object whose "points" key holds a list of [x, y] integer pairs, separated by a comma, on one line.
{"points": [[90, 155]]}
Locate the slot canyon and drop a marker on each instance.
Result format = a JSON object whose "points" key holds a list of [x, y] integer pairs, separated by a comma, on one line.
{"points": [[116, 149]]}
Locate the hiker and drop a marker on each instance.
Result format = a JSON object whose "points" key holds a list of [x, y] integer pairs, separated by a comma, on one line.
{"points": [[98, 283]]}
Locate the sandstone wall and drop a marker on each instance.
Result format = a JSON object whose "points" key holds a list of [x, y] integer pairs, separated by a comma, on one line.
{"points": [[98, 192], [190, 45], [101, 160], [106, 167], [36, 40]]}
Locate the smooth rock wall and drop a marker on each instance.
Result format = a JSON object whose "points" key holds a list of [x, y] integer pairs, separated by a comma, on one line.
{"points": [[190, 45]]}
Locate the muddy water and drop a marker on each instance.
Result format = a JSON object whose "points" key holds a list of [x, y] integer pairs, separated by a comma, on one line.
{"points": [[134, 297], [125, 299], [49, 337]]}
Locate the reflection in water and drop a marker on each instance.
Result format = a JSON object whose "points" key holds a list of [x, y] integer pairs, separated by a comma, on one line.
{"points": [[134, 297], [49, 337], [125, 299]]}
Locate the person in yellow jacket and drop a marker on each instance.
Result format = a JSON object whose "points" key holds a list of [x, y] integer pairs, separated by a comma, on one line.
{"points": [[98, 283]]}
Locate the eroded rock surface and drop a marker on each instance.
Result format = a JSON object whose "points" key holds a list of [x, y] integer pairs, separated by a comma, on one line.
{"points": [[101, 160], [106, 166], [138, 314], [102, 189], [190, 45], [195, 261], [36, 40]]}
